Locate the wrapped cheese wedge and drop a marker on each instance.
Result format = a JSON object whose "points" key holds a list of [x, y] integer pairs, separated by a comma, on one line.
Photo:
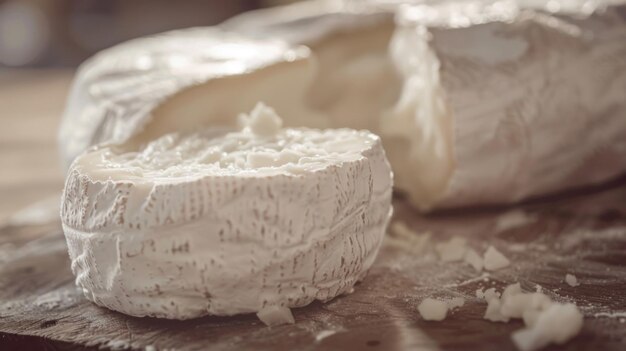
{"points": [[222, 223], [476, 102]]}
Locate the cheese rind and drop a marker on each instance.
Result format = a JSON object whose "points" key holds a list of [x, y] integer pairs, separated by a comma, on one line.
{"points": [[150, 234]]}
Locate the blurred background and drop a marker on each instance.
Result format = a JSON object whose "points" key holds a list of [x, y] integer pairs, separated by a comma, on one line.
{"points": [[41, 44], [62, 33]]}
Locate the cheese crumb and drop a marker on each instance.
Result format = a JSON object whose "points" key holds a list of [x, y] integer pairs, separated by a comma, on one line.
{"points": [[557, 324], [571, 280], [117, 344], [263, 120], [513, 219], [490, 294], [473, 259], [545, 321], [511, 290], [494, 259], [433, 310], [324, 334], [275, 315], [452, 250], [436, 310], [492, 313]]}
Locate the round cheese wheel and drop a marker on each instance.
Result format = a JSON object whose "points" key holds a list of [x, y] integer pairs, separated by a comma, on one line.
{"points": [[222, 223]]}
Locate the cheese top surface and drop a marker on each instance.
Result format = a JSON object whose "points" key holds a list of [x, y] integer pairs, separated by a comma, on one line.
{"points": [[260, 148]]}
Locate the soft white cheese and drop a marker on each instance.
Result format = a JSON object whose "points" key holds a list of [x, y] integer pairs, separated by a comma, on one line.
{"points": [[218, 222], [571, 280], [557, 324], [473, 259], [474, 121], [433, 310], [448, 94], [545, 321], [513, 219], [262, 121], [494, 259], [275, 315], [436, 310]]}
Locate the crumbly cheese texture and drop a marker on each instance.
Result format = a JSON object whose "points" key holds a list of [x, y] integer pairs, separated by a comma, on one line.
{"points": [[546, 321], [436, 310], [222, 223], [275, 315]]}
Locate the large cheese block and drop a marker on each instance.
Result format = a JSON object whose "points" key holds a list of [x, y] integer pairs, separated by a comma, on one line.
{"points": [[476, 102], [503, 102], [221, 223]]}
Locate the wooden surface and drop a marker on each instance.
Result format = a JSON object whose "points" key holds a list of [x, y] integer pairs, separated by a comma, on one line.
{"points": [[582, 233]]}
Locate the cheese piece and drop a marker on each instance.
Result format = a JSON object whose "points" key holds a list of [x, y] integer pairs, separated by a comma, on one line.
{"points": [[571, 280], [433, 310], [558, 324], [222, 223], [497, 96], [452, 250], [436, 310], [494, 259], [476, 103], [473, 259], [275, 315], [489, 294], [324, 334], [545, 321], [492, 313], [513, 219]]}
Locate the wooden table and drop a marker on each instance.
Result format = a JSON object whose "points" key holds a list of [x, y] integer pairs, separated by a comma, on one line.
{"points": [[582, 233]]}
